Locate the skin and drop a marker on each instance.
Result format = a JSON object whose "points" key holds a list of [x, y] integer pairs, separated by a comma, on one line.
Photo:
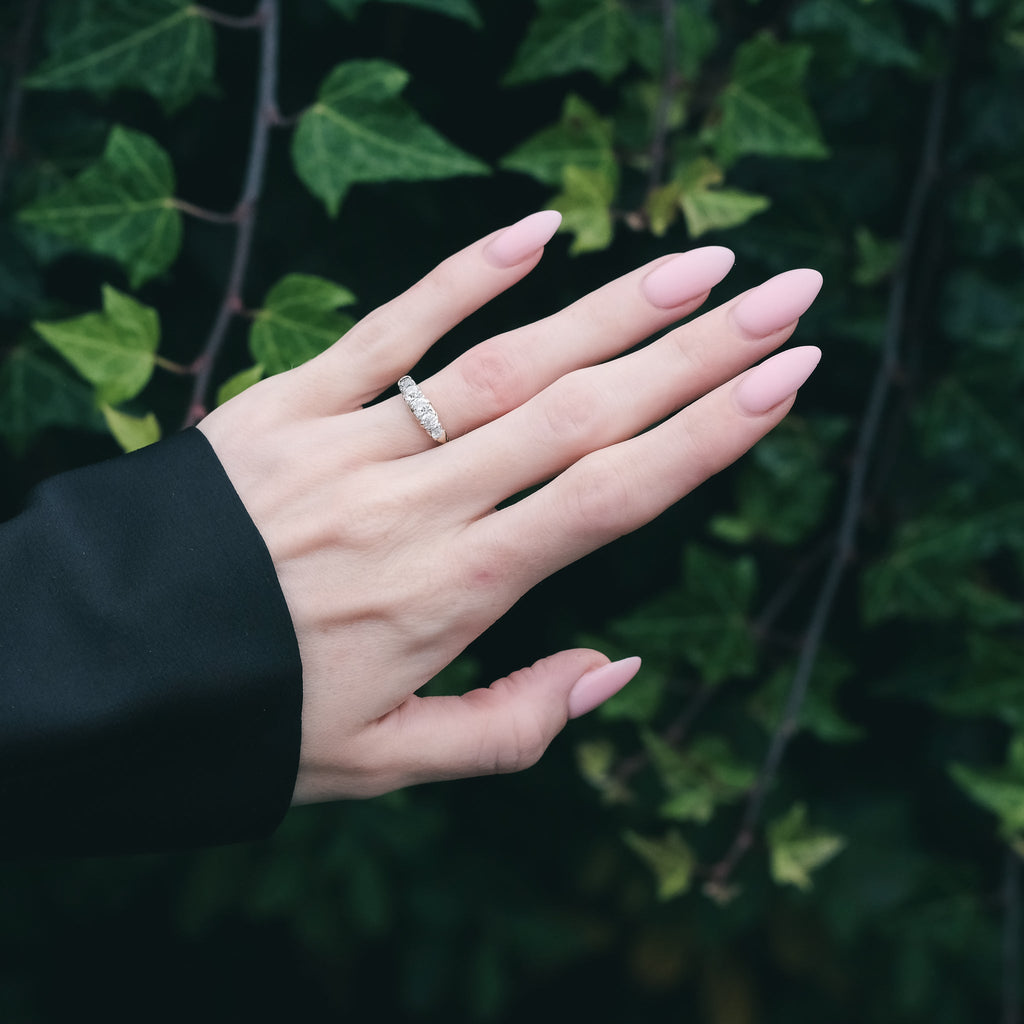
{"points": [[388, 548]]}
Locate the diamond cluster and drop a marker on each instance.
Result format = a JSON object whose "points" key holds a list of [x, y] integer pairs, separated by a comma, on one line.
{"points": [[422, 409]]}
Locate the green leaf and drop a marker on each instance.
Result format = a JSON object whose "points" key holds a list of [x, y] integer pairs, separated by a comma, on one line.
{"points": [[114, 349], [763, 109], [818, 714], [36, 392], [461, 10], [163, 47], [670, 859], [797, 848], [299, 319], [991, 682], [718, 209], [122, 206], [131, 432], [582, 138], [698, 777], [574, 35], [999, 790], [585, 203], [696, 37], [595, 760], [876, 258], [782, 489], [241, 381], [360, 130], [871, 31]]}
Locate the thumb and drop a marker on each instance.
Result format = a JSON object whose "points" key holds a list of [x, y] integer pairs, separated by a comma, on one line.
{"points": [[506, 726]]}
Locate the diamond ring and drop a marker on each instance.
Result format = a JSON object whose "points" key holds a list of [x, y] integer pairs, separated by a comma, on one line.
{"points": [[421, 408]]}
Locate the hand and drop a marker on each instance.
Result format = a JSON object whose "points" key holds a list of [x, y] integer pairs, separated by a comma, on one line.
{"points": [[387, 545]]}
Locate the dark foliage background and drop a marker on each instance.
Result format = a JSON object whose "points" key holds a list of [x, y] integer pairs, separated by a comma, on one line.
{"points": [[810, 805]]}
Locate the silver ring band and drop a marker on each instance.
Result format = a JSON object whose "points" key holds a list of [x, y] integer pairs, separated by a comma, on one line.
{"points": [[421, 408]]}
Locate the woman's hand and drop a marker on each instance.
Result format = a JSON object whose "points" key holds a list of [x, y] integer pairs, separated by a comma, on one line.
{"points": [[388, 548]]}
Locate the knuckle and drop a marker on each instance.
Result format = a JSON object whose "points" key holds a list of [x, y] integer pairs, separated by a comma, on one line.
{"points": [[574, 409], [601, 499], [492, 378]]}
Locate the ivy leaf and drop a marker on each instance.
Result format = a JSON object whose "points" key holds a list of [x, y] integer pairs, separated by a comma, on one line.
{"points": [[299, 319], [238, 383], [871, 31], [163, 47], [360, 130], [461, 10], [131, 432], [595, 760], [797, 848], [582, 138], [991, 682], [574, 35], [763, 109], [36, 392], [999, 790], [122, 206], [585, 203], [670, 859], [876, 258], [698, 777], [114, 350], [717, 209]]}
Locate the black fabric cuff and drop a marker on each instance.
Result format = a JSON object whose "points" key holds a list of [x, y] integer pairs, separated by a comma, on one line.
{"points": [[150, 682]]}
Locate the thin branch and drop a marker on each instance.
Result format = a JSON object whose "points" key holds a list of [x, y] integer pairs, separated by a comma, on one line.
{"points": [[853, 505], [230, 21], [1011, 939], [231, 304], [21, 54], [201, 213], [669, 84]]}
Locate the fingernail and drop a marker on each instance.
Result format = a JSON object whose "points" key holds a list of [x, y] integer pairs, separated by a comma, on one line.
{"points": [[597, 686], [523, 238], [763, 387], [687, 275], [776, 303]]}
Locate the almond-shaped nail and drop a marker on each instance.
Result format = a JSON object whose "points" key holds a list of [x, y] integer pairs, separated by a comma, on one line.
{"points": [[776, 303], [763, 387], [686, 276], [522, 239], [597, 686]]}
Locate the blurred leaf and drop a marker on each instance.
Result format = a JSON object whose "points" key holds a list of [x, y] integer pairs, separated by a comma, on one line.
{"points": [[818, 714], [573, 35], [114, 349], [461, 10], [596, 761], [797, 848], [782, 488], [360, 130], [670, 859], [163, 47], [122, 207], [718, 209], [581, 139], [696, 36], [238, 383], [763, 109], [871, 30], [299, 320], [991, 682], [999, 790], [131, 432], [585, 204], [36, 392], [876, 258]]}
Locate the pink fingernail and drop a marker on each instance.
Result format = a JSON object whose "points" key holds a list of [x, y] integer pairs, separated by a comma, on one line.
{"points": [[763, 387], [776, 303], [597, 686], [523, 238], [687, 275]]}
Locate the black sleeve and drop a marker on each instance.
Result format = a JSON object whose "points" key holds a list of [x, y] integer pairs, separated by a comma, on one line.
{"points": [[150, 683]]}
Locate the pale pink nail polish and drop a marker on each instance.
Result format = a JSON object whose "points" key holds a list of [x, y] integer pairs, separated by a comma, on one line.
{"points": [[763, 387], [523, 238], [597, 686], [687, 275], [776, 303]]}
